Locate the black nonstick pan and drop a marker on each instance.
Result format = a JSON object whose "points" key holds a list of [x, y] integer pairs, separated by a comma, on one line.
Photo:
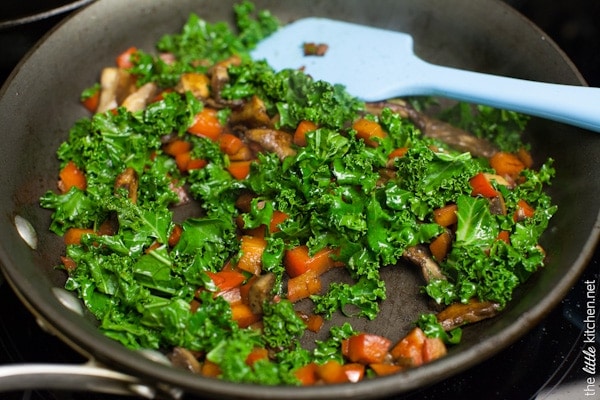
{"points": [[39, 104]]}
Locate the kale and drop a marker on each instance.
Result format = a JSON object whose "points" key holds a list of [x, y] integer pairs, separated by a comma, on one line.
{"points": [[502, 127], [201, 43], [293, 95], [331, 349], [433, 329], [364, 295], [337, 192], [282, 326]]}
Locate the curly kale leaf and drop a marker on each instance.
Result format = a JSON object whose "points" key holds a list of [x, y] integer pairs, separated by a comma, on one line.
{"points": [[293, 95], [282, 325], [201, 42]]}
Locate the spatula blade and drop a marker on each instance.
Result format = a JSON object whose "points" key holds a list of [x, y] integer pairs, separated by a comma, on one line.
{"points": [[362, 58]]}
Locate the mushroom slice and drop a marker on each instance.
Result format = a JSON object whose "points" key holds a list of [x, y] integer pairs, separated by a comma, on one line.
{"points": [[454, 137], [261, 291], [138, 100], [252, 114], [497, 205], [458, 314], [273, 140], [128, 180], [420, 256], [115, 85], [219, 77], [185, 359]]}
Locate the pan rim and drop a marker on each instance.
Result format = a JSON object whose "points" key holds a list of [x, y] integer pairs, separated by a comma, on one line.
{"points": [[386, 385]]}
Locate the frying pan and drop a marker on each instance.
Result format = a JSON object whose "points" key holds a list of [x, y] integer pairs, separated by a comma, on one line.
{"points": [[39, 104]]}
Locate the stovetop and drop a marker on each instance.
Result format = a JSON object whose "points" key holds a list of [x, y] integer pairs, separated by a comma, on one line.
{"points": [[547, 363]]}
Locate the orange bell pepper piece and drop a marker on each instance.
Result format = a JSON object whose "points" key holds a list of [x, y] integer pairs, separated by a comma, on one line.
{"points": [[367, 348], [71, 176], [446, 216], [506, 164], [206, 123], [252, 249], [239, 169], [74, 235], [303, 286], [302, 129], [369, 131]]}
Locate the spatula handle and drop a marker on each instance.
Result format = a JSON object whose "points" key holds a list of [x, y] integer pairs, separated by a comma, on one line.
{"points": [[573, 105]]}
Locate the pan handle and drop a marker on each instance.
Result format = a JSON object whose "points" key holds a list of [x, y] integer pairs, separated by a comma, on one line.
{"points": [[87, 377]]}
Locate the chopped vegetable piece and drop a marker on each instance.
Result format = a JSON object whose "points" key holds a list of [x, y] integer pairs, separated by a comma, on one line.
{"points": [[259, 353], [525, 157], [74, 235], [481, 186], [315, 49], [314, 322], [277, 218], [369, 131], [239, 169], [210, 369], [301, 130], [125, 59], [383, 369], [230, 144], [242, 314], [504, 236], [90, 102], [332, 372], [506, 164], [195, 163], [397, 153], [367, 348], [446, 216], [409, 351], [303, 286], [206, 123], [71, 176], [225, 279], [433, 348], [440, 246], [177, 147], [252, 249], [355, 372], [308, 374], [523, 211], [68, 263], [298, 260]]}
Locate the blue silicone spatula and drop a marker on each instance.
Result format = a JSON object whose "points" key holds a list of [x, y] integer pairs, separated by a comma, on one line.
{"points": [[376, 64]]}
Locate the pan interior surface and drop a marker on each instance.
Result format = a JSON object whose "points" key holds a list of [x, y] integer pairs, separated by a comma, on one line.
{"points": [[40, 103]]}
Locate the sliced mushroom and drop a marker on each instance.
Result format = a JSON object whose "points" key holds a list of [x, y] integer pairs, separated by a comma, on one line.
{"points": [[115, 85], [183, 197], [273, 140], [252, 114], [434, 128], [420, 256], [139, 99], [185, 359], [261, 291], [128, 180], [497, 205], [219, 77], [458, 314]]}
